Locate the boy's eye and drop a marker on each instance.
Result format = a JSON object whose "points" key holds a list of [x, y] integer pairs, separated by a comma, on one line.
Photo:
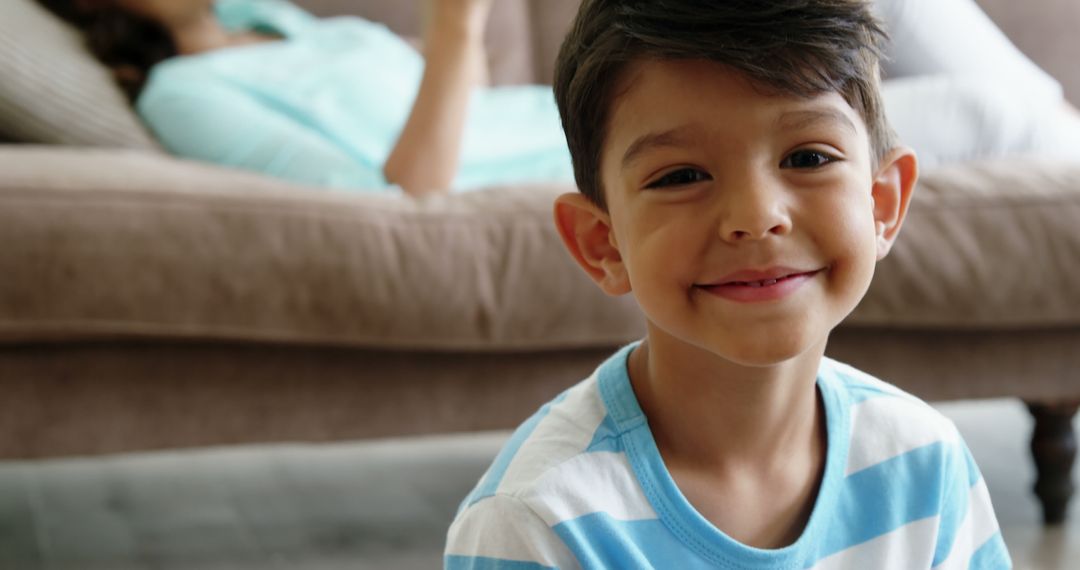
{"points": [[679, 177], [806, 159]]}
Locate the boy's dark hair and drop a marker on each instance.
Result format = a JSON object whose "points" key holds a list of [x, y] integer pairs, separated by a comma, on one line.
{"points": [[799, 47]]}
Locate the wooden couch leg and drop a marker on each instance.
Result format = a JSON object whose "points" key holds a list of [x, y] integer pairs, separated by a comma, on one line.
{"points": [[1053, 446]]}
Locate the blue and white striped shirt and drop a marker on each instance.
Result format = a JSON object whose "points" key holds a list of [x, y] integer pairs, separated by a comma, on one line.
{"points": [[582, 485]]}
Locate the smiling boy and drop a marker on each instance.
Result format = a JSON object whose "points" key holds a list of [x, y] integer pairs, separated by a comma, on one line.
{"points": [[738, 178]]}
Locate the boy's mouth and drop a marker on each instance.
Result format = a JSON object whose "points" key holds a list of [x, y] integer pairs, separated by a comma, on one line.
{"points": [[769, 281], [761, 278], [759, 285]]}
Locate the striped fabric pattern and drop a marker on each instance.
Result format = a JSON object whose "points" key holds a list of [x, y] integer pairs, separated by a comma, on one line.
{"points": [[54, 91], [582, 485]]}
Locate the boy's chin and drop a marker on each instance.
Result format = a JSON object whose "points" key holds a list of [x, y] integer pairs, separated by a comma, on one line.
{"points": [[760, 353]]}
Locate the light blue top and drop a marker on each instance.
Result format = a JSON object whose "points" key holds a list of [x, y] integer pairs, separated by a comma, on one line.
{"points": [[582, 485], [325, 106]]}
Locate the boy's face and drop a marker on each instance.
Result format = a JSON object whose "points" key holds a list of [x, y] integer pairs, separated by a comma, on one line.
{"points": [[746, 224]]}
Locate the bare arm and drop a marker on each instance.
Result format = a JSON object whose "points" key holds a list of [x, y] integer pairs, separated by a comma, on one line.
{"points": [[425, 158]]}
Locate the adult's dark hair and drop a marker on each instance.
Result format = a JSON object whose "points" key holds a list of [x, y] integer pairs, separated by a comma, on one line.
{"points": [[127, 43], [799, 47]]}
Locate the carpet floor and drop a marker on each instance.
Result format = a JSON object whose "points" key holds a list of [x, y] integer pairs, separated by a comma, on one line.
{"points": [[381, 504]]}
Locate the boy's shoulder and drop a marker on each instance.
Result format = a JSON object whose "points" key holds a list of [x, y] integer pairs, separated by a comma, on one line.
{"points": [[569, 449], [565, 464], [552, 446], [906, 474], [885, 421]]}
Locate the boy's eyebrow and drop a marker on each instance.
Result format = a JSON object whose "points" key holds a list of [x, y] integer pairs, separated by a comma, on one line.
{"points": [[795, 120], [676, 137], [681, 136]]}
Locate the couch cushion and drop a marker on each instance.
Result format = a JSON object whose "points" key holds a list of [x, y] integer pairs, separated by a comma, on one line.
{"points": [[986, 245], [107, 244], [53, 91]]}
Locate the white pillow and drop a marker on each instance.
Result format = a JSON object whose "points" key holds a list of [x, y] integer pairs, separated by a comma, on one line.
{"points": [[953, 118]]}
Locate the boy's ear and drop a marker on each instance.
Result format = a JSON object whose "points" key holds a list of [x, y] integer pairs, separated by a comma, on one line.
{"points": [[586, 231], [894, 182]]}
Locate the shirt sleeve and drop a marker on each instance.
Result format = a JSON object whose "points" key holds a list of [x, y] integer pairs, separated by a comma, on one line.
{"points": [[503, 533], [222, 124], [968, 532]]}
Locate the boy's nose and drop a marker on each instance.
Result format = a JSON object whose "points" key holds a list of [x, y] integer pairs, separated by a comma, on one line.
{"points": [[752, 211]]}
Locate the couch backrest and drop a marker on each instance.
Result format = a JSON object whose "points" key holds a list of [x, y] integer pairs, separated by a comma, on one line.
{"points": [[1048, 31], [550, 21]]}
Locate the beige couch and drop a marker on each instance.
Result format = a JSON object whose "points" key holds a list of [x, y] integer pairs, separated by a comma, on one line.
{"points": [[148, 302]]}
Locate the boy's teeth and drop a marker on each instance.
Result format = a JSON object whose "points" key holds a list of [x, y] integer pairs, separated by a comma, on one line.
{"points": [[764, 283]]}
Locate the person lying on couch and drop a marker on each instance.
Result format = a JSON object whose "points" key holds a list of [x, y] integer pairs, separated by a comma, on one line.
{"points": [[338, 102], [747, 221], [345, 103]]}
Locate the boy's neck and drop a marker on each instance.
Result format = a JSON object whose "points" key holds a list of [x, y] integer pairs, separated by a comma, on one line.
{"points": [[736, 439], [719, 415]]}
